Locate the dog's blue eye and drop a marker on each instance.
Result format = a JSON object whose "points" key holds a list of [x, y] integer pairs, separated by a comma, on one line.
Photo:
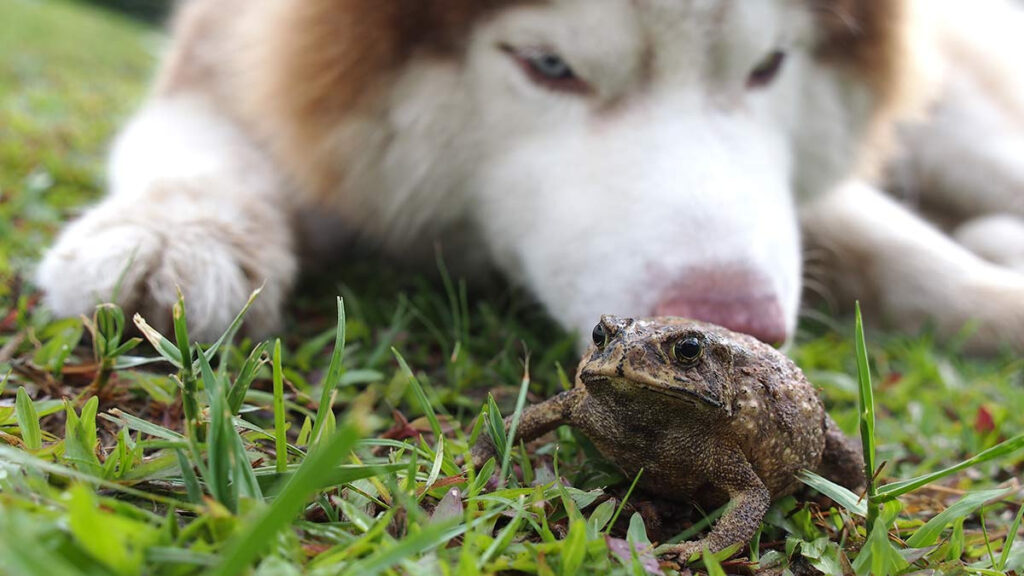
{"points": [[551, 66], [548, 69]]}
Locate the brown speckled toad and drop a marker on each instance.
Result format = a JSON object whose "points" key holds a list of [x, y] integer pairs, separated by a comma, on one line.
{"points": [[711, 416]]}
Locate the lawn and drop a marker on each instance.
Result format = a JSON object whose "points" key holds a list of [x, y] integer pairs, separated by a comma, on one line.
{"points": [[338, 449]]}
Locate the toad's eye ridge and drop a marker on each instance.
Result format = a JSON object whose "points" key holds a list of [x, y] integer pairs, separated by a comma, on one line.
{"points": [[688, 350], [600, 335]]}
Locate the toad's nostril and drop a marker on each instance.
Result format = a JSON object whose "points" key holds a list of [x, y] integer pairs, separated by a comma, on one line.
{"points": [[729, 300]]}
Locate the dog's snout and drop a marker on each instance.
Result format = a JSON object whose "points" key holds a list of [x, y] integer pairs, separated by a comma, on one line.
{"points": [[736, 299]]}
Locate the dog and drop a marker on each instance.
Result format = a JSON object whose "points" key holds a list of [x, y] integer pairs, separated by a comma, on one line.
{"points": [[631, 157]]}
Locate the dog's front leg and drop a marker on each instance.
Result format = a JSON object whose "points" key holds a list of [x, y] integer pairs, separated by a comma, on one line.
{"points": [[900, 266], [964, 161], [193, 203]]}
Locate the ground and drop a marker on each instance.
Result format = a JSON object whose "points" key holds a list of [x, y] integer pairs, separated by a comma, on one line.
{"points": [[252, 473]]}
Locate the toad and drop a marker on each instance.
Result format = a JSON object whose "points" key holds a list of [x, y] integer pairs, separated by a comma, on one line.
{"points": [[710, 416]]}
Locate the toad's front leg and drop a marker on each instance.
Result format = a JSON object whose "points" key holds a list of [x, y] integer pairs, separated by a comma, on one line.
{"points": [[535, 421], [728, 470]]}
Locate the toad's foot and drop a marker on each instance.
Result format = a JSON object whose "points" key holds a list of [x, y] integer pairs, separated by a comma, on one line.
{"points": [[748, 501]]}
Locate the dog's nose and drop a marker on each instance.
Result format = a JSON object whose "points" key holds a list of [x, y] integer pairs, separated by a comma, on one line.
{"points": [[736, 299]]}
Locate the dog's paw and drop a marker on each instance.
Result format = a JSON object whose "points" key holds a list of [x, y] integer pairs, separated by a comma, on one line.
{"points": [[997, 238], [993, 310], [141, 263]]}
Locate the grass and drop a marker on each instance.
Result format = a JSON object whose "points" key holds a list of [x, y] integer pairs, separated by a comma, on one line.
{"points": [[339, 448]]}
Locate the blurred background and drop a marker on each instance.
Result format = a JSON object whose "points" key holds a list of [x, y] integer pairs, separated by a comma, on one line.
{"points": [[150, 10]]}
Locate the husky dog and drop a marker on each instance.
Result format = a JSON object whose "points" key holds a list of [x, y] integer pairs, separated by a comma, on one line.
{"points": [[631, 157]]}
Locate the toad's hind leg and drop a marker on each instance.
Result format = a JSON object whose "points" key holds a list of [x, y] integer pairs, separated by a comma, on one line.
{"points": [[749, 499], [843, 459]]}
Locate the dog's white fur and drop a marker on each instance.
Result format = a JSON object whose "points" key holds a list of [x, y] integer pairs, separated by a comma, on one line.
{"points": [[670, 187]]}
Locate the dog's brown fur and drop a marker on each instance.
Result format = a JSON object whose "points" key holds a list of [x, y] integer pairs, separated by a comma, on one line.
{"points": [[329, 60], [873, 39]]}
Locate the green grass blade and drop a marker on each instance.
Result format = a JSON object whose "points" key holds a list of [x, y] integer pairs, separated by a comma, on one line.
{"points": [[162, 345], [866, 407], [878, 557], [600, 517], [229, 334], [22, 554], [840, 494], [421, 396], [435, 468], [929, 534], [304, 432], [496, 427], [713, 566], [503, 540], [190, 390], [80, 437], [315, 470], [246, 375], [188, 476], [483, 475], [28, 421], [636, 534], [144, 426], [506, 458], [574, 547], [243, 474], [181, 335], [897, 489], [88, 420], [330, 382], [125, 348], [430, 537], [28, 461], [1011, 536], [108, 321], [120, 460], [272, 482], [280, 431], [625, 499], [220, 453]]}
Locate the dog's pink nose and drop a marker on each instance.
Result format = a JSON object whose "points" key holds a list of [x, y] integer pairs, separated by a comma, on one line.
{"points": [[738, 300]]}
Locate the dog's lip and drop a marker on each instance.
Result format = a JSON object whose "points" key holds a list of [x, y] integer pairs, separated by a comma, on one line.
{"points": [[759, 316], [738, 296]]}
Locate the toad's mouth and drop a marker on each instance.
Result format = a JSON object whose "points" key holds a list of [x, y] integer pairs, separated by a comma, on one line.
{"points": [[630, 384]]}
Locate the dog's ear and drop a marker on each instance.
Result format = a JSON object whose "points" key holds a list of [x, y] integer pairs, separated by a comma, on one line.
{"points": [[322, 60], [868, 36], [878, 43]]}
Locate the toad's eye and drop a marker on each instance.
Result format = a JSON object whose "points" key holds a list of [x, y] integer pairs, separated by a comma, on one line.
{"points": [[547, 69], [767, 70], [688, 350], [600, 335]]}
